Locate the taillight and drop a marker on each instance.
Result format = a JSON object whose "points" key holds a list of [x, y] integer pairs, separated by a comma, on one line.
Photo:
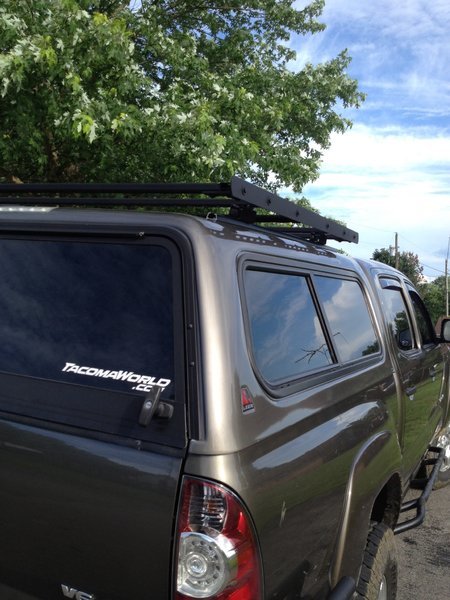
{"points": [[218, 557]]}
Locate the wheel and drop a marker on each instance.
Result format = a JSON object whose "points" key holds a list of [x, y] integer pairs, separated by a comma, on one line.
{"points": [[443, 477], [378, 578]]}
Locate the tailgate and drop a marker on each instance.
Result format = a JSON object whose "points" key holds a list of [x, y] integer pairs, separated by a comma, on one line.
{"points": [[85, 515]]}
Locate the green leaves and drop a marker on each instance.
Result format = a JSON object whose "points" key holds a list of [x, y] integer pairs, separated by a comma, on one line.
{"points": [[167, 90], [408, 263], [433, 295], [68, 74]]}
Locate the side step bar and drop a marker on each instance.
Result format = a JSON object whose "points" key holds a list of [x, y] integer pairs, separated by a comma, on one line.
{"points": [[426, 483], [344, 590]]}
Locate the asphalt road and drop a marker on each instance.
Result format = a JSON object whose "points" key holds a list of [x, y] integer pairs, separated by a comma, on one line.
{"points": [[424, 553]]}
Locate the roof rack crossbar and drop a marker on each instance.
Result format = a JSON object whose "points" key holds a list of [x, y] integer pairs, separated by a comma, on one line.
{"points": [[240, 196], [209, 189], [111, 201]]}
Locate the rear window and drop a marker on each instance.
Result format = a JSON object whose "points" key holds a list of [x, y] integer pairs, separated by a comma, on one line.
{"points": [[86, 314]]}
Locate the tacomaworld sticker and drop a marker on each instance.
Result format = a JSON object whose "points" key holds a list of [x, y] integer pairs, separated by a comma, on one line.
{"points": [[144, 383]]}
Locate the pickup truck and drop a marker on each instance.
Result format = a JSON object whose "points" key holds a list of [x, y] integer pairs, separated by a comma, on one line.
{"points": [[210, 403]]}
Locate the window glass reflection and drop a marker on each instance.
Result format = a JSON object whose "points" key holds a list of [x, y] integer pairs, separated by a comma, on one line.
{"points": [[347, 313], [423, 319], [107, 307], [286, 332], [399, 322]]}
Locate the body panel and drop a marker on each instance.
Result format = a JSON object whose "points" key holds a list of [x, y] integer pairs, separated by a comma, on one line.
{"points": [[294, 479]]}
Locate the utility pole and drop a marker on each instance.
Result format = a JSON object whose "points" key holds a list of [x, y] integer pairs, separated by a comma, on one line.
{"points": [[446, 279], [446, 286], [396, 255]]}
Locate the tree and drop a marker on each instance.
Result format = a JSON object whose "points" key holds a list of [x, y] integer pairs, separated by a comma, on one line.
{"points": [[433, 295], [408, 263], [165, 90]]}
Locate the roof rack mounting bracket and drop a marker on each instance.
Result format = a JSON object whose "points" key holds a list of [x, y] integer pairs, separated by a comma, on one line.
{"points": [[261, 198]]}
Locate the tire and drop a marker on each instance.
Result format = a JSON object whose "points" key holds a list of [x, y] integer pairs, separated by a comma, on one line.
{"points": [[378, 578]]}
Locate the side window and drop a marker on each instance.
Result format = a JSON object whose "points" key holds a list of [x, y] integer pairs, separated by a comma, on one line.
{"points": [[397, 314], [286, 332], [347, 313], [422, 317]]}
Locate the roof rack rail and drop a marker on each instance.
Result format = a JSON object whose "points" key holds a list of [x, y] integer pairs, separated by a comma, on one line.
{"points": [[240, 196]]}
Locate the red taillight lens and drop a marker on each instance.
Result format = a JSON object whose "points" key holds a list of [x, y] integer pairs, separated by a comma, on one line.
{"points": [[218, 556]]}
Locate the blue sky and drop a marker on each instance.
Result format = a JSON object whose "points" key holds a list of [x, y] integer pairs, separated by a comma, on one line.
{"points": [[390, 172]]}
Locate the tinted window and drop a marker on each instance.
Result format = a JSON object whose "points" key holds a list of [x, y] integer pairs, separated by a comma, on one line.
{"points": [[88, 331], [287, 336], [397, 315], [423, 319], [92, 314], [346, 310]]}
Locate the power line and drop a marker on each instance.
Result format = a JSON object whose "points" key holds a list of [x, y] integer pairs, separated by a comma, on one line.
{"points": [[412, 243], [415, 246], [433, 268], [403, 238]]}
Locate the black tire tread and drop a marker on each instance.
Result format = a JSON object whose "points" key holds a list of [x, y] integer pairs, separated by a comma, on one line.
{"points": [[379, 555]]}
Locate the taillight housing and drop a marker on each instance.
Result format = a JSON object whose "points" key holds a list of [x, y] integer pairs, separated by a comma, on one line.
{"points": [[217, 553]]}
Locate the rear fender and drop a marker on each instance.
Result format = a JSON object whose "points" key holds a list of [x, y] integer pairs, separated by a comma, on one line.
{"points": [[377, 460]]}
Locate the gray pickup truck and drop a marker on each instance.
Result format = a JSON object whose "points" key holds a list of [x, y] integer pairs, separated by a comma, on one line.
{"points": [[206, 405]]}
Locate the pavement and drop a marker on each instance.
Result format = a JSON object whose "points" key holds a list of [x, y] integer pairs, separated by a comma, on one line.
{"points": [[424, 553]]}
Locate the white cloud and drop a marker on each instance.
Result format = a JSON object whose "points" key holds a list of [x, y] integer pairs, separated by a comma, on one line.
{"points": [[401, 20], [400, 50], [391, 172], [387, 149], [382, 181]]}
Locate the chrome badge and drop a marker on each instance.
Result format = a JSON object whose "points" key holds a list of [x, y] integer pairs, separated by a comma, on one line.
{"points": [[70, 592]]}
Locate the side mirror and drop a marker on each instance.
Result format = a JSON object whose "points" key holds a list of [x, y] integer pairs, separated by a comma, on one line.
{"points": [[445, 330], [404, 339]]}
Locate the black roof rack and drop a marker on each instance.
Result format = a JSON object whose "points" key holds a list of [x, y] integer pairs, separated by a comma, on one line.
{"points": [[240, 196]]}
